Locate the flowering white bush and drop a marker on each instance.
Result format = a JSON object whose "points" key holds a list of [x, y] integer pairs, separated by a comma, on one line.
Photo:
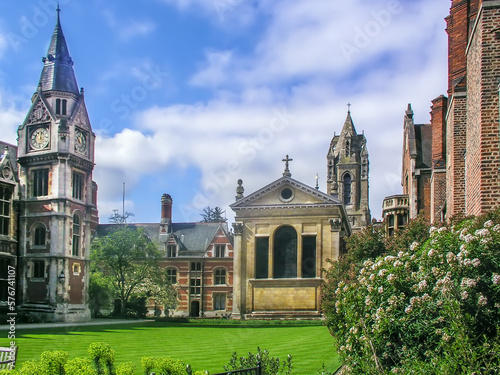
{"points": [[424, 309]]}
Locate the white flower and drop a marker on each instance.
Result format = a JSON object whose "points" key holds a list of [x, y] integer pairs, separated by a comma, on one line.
{"points": [[422, 285], [389, 258], [391, 277], [381, 289], [368, 301], [431, 253], [408, 309], [468, 283], [465, 295], [482, 300], [450, 257], [482, 232], [496, 228], [495, 278], [432, 230], [476, 262], [442, 229], [488, 224], [397, 263], [382, 272], [413, 246], [469, 238]]}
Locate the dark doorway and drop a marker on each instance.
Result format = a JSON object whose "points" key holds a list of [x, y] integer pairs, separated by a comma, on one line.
{"points": [[195, 309]]}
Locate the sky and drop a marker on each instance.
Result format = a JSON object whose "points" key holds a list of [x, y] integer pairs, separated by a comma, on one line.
{"points": [[188, 96]]}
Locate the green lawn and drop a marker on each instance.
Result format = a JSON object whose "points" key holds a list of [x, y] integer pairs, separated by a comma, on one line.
{"points": [[204, 347]]}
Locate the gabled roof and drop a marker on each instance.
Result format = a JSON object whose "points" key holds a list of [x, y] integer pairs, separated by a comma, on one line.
{"points": [[8, 155], [192, 238], [57, 73], [309, 197]]}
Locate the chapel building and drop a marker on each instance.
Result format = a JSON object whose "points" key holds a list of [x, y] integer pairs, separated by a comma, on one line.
{"points": [[284, 236]]}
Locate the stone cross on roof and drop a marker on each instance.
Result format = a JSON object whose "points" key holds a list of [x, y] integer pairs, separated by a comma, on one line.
{"points": [[287, 170]]}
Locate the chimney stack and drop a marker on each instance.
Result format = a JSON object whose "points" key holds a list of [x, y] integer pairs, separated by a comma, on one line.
{"points": [[166, 209]]}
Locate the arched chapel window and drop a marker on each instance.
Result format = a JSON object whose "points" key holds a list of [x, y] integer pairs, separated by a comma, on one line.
{"points": [[285, 253], [347, 189]]}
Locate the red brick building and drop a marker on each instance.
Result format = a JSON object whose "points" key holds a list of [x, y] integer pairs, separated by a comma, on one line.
{"points": [[461, 144]]}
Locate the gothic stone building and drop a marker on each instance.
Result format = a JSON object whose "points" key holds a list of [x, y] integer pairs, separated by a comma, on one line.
{"points": [[347, 173], [48, 197], [460, 146], [284, 233]]}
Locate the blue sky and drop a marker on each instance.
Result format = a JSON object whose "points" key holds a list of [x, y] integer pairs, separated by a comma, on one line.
{"points": [[188, 96]]}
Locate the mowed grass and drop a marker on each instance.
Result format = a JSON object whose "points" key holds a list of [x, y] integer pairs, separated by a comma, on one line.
{"points": [[204, 347]]}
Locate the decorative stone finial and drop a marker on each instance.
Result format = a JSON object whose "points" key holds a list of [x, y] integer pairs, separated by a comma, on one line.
{"points": [[239, 189]]}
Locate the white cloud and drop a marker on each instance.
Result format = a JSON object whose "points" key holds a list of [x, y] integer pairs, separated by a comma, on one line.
{"points": [[289, 96], [10, 117], [128, 29]]}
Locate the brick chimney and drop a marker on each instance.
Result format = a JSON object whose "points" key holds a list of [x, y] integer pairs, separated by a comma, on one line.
{"points": [[457, 27], [438, 118], [166, 209]]}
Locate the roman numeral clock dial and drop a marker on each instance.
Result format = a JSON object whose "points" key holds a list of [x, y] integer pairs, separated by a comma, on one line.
{"points": [[80, 142], [39, 138]]}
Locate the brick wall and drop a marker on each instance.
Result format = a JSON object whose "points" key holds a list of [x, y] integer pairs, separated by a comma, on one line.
{"points": [[482, 180]]}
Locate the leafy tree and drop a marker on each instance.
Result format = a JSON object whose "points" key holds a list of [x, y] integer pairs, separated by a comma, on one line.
{"points": [[213, 215], [100, 291], [128, 258]]}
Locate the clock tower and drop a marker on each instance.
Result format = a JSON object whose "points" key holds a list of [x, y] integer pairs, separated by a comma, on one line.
{"points": [[57, 199]]}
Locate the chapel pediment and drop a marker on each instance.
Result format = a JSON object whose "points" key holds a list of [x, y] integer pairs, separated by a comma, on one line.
{"points": [[286, 192]]}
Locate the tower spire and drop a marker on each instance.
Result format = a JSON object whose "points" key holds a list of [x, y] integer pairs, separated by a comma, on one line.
{"points": [[57, 73]]}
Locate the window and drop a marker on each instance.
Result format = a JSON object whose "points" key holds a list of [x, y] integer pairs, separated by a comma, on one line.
{"points": [[261, 257], [5, 203], [40, 182], [61, 106], [78, 182], [39, 236], [309, 256], [195, 286], [195, 266], [76, 235], [38, 269], [77, 269], [220, 251], [285, 253], [172, 275], [347, 189], [220, 277], [171, 251], [219, 301]]}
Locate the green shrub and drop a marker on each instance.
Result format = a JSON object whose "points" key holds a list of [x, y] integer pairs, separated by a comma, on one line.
{"points": [[103, 357], [269, 365], [432, 307], [80, 366], [52, 362], [169, 366], [148, 364], [32, 368], [127, 368]]}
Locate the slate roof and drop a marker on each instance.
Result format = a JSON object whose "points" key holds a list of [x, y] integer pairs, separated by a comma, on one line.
{"points": [[57, 73], [193, 238]]}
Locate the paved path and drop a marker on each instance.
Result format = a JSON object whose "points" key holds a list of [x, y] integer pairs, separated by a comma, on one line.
{"points": [[93, 322]]}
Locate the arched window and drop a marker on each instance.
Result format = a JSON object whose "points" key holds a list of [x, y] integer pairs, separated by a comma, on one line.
{"points": [[39, 236], [77, 228], [347, 189], [285, 253]]}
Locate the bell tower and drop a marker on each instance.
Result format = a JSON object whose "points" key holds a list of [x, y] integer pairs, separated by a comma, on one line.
{"points": [[57, 204], [347, 173]]}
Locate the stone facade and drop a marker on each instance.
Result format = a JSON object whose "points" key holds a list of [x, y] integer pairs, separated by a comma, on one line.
{"points": [[284, 234], [347, 173]]}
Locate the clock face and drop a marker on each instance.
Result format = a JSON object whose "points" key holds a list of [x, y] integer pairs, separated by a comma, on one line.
{"points": [[80, 141], [39, 138]]}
